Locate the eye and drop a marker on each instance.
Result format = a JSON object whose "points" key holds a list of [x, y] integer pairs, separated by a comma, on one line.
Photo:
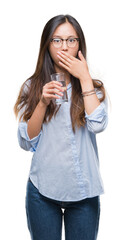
{"points": [[56, 40], [71, 40]]}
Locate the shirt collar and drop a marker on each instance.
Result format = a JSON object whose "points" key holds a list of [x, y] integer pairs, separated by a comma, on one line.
{"points": [[69, 85]]}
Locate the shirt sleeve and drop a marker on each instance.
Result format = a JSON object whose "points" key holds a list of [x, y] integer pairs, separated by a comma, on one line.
{"points": [[97, 121], [24, 141]]}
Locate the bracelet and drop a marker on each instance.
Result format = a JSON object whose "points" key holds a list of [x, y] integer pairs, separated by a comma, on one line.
{"points": [[93, 90], [84, 95]]}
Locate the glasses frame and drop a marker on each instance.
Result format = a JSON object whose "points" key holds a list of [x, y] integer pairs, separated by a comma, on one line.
{"points": [[64, 39]]}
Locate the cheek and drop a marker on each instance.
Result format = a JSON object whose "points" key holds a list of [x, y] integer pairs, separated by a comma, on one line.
{"points": [[74, 52], [53, 55]]}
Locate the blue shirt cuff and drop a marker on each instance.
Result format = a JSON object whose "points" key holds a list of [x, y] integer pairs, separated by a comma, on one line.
{"points": [[98, 113], [24, 135]]}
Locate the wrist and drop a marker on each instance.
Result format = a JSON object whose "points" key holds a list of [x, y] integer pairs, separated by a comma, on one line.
{"points": [[42, 103], [85, 79], [86, 84]]}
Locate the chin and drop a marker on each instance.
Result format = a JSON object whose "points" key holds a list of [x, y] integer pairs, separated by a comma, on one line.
{"points": [[59, 68]]}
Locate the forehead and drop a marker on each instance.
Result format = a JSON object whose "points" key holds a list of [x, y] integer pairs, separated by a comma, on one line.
{"points": [[64, 30]]}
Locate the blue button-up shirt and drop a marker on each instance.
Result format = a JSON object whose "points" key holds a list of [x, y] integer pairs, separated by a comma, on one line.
{"points": [[65, 165]]}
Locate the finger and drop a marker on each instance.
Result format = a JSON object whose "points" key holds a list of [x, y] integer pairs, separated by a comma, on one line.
{"points": [[64, 66], [80, 55], [54, 91], [64, 60], [63, 53], [50, 96], [53, 84], [64, 56]]}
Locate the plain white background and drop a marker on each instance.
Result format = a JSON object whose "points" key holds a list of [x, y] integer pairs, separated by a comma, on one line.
{"points": [[22, 23]]}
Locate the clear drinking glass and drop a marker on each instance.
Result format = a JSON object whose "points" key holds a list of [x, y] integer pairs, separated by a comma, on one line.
{"points": [[60, 77]]}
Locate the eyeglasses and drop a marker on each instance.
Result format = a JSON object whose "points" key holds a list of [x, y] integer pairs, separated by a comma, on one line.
{"points": [[71, 42]]}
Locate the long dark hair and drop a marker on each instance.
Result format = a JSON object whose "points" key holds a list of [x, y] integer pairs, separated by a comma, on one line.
{"points": [[30, 97]]}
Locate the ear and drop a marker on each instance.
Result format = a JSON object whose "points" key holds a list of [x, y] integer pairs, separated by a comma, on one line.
{"points": [[80, 55]]}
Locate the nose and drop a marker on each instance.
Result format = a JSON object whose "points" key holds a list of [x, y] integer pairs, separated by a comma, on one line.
{"points": [[64, 45]]}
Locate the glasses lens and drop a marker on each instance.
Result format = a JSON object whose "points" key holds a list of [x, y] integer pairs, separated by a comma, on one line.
{"points": [[71, 42], [57, 42]]}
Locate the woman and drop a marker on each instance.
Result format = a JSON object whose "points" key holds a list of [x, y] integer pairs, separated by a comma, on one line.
{"points": [[64, 171]]}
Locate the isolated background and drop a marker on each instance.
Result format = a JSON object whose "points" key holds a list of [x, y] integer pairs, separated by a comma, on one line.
{"points": [[22, 23]]}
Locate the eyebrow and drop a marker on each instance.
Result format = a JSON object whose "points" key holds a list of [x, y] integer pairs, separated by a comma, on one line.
{"points": [[57, 36]]}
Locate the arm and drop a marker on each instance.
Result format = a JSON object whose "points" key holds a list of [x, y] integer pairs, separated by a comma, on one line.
{"points": [[90, 102], [29, 132], [95, 111], [24, 141], [79, 69], [97, 120], [36, 120]]}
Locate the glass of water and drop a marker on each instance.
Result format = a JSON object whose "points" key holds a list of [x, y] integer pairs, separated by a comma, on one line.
{"points": [[60, 77]]}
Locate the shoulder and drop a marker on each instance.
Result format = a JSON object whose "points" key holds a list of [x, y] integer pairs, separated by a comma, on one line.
{"points": [[26, 85]]}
